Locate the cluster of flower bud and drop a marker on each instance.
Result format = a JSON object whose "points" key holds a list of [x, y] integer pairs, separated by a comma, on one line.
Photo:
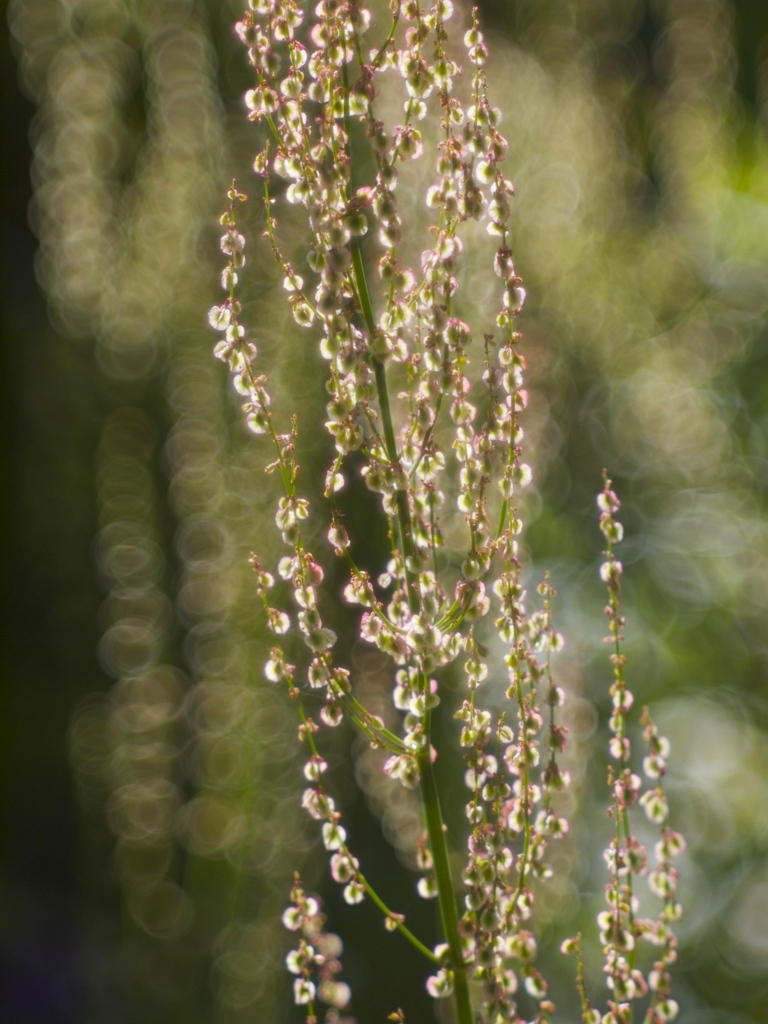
{"points": [[620, 926], [451, 439], [315, 960], [512, 798]]}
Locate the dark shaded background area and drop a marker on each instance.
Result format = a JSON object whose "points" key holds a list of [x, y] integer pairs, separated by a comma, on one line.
{"points": [[67, 955]]}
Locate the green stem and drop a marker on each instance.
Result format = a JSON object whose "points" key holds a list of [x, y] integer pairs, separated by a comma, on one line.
{"points": [[378, 734], [393, 917], [364, 295], [429, 790], [382, 391], [401, 495], [446, 898]]}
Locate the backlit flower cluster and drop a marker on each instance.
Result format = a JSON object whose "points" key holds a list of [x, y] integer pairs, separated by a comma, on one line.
{"points": [[431, 406], [315, 960]]}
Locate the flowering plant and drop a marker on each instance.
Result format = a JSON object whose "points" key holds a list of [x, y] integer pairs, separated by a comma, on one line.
{"points": [[435, 416]]}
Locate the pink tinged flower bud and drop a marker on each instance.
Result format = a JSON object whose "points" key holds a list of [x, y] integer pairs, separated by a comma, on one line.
{"points": [[427, 887], [305, 597], [314, 769], [334, 993], [613, 530], [623, 987], [318, 639], [667, 1009], [283, 29], [318, 675], [232, 242], [641, 988], [332, 714], [298, 960], [610, 572], [354, 893], [343, 867], [219, 317], [278, 621], [663, 882], [338, 537], [253, 99], [302, 313], [313, 572], [389, 234], [356, 224], [619, 748], [318, 804], [670, 845], [521, 474], [535, 985], [286, 567], [223, 350], [303, 991], [502, 263], [257, 421], [671, 912], [293, 283], [333, 835], [637, 859], [478, 54], [440, 985], [523, 946], [266, 580], [557, 643], [408, 142], [498, 208], [290, 87], [654, 803], [608, 502], [274, 670], [654, 767], [228, 279], [554, 778], [485, 172], [293, 918], [659, 980], [627, 788], [513, 298], [551, 825]]}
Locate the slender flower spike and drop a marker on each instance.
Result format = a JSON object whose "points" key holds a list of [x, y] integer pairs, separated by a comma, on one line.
{"points": [[620, 926], [423, 408]]}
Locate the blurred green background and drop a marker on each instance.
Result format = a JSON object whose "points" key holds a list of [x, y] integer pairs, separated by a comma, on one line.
{"points": [[150, 822]]}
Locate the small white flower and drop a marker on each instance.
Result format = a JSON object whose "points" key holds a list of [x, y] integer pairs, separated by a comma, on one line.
{"points": [[303, 991], [354, 893], [219, 317]]}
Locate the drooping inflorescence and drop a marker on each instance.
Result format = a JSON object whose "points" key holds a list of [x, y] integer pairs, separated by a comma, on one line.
{"points": [[433, 411]]}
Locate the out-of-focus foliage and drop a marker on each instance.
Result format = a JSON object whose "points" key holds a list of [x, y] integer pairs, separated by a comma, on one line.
{"points": [[639, 156], [188, 759]]}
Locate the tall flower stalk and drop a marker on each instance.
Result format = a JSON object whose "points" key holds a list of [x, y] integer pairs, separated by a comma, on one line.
{"points": [[433, 413]]}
